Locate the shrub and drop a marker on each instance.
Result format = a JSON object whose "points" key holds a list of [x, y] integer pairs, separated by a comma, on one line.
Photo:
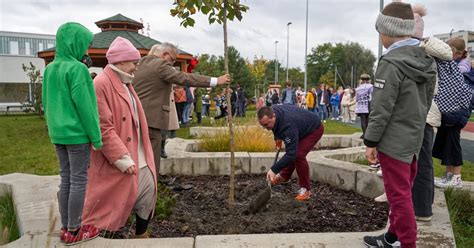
{"points": [[8, 226], [165, 202], [461, 209], [247, 139]]}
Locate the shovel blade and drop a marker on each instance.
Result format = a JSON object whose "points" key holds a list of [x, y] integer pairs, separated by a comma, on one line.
{"points": [[259, 201]]}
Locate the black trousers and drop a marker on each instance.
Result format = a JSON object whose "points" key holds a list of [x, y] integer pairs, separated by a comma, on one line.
{"points": [[423, 186], [364, 122]]}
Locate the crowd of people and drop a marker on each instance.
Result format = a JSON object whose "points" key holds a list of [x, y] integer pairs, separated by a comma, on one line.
{"points": [[109, 132], [337, 104]]}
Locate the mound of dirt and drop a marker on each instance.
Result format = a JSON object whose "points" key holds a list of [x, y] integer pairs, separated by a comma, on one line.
{"points": [[202, 209]]}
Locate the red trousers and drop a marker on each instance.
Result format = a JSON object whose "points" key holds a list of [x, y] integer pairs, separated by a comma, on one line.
{"points": [[301, 164], [398, 180]]}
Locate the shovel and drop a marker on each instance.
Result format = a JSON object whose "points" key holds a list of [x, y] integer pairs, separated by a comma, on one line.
{"points": [[263, 197]]}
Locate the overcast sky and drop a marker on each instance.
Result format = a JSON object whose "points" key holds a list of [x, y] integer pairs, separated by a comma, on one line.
{"points": [[263, 24]]}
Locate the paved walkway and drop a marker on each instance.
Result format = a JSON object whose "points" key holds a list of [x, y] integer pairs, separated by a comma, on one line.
{"points": [[467, 140]]}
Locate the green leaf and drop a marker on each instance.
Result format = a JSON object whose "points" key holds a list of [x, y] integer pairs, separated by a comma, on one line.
{"points": [[183, 2], [190, 21], [205, 10], [230, 14]]}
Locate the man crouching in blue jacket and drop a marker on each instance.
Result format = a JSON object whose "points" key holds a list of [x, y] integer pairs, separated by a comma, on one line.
{"points": [[300, 130]]}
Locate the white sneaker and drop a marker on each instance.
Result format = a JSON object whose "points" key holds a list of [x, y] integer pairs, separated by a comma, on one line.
{"points": [[379, 173], [332, 119], [444, 180], [423, 219], [375, 166], [455, 182], [381, 198]]}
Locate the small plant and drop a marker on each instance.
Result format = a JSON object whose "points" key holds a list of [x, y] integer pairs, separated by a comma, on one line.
{"points": [[8, 226], [36, 101], [461, 209], [165, 202], [247, 139]]}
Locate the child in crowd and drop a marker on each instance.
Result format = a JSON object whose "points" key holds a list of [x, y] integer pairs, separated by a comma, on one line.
{"points": [[70, 107], [335, 105], [403, 90], [347, 102], [454, 100]]}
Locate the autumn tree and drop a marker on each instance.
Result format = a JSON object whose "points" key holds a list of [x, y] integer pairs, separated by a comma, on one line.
{"points": [[216, 11]]}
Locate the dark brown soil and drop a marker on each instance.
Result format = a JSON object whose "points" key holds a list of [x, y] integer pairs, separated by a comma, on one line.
{"points": [[202, 209]]}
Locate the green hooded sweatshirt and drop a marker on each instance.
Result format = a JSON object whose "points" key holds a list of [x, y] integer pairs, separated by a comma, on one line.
{"points": [[69, 98]]}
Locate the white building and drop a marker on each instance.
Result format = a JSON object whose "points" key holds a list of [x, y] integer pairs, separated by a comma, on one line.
{"points": [[468, 37], [17, 49]]}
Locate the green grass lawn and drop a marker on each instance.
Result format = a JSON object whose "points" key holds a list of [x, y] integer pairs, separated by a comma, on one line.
{"points": [[472, 117], [26, 147], [461, 209]]}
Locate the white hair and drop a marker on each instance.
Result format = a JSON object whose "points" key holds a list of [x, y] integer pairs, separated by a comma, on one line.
{"points": [[158, 49]]}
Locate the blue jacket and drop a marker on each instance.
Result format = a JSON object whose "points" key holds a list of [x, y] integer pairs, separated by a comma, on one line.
{"points": [[291, 125], [335, 99], [285, 93]]}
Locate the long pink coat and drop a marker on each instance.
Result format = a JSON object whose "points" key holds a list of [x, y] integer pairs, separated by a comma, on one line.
{"points": [[111, 194]]}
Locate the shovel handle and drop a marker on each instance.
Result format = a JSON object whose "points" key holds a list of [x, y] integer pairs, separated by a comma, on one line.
{"points": [[276, 157]]}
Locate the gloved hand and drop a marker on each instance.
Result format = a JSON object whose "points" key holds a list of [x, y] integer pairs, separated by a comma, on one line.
{"points": [[278, 144]]}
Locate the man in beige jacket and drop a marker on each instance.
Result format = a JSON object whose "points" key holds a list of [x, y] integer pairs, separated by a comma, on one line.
{"points": [[153, 83]]}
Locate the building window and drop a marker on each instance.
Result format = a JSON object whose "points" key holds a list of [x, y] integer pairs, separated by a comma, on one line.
{"points": [[27, 49], [40, 47], [50, 45], [14, 49]]}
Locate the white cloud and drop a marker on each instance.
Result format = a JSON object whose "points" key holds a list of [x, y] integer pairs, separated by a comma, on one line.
{"points": [[265, 22]]}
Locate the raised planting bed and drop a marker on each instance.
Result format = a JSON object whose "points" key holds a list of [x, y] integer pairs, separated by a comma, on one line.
{"points": [[202, 209]]}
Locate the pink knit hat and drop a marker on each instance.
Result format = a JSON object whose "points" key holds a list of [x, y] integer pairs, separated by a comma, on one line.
{"points": [[122, 50], [419, 11]]}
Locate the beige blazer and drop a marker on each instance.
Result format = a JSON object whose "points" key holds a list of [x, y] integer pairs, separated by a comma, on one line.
{"points": [[173, 123], [153, 83]]}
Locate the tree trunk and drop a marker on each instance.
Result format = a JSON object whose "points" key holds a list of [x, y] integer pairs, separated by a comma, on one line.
{"points": [[229, 117]]}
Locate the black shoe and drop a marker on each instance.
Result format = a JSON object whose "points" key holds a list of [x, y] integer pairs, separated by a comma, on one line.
{"points": [[163, 154], [380, 241]]}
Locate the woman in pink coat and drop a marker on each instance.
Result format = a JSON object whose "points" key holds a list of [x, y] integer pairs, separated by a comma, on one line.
{"points": [[122, 174]]}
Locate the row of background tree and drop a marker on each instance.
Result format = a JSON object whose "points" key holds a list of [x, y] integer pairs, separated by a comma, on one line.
{"points": [[351, 60]]}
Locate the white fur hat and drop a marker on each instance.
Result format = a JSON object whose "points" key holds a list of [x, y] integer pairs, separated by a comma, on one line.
{"points": [[437, 48]]}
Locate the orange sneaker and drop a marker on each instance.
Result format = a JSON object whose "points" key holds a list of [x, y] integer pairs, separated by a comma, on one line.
{"points": [[303, 195], [279, 179]]}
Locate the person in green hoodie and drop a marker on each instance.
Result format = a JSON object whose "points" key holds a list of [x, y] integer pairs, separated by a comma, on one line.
{"points": [[70, 107], [403, 90]]}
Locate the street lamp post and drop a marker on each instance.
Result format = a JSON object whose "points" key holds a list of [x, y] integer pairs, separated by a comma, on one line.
{"points": [[306, 52], [276, 62], [287, 48]]}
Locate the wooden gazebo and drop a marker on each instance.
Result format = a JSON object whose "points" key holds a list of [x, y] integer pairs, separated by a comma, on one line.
{"points": [[112, 27]]}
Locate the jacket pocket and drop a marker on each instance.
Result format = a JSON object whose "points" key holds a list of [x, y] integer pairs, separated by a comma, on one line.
{"points": [[165, 108]]}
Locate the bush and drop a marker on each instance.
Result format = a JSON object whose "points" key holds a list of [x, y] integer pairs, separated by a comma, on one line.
{"points": [[8, 226], [165, 202], [461, 209], [247, 139]]}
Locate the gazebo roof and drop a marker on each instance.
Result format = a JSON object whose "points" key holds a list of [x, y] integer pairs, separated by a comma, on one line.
{"points": [[104, 39], [118, 18], [117, 25]]}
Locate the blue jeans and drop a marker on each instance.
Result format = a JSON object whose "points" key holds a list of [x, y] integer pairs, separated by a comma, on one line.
{"points": [[73, 161], [187, 106], [335, 112], [323, 114]]}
